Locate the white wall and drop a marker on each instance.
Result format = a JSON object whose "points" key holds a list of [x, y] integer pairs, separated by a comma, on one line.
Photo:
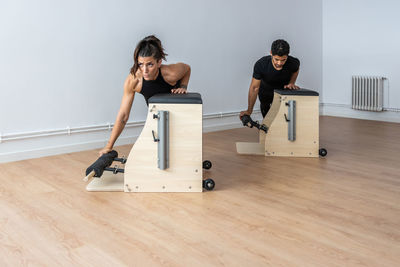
{"points": [[360, 37], [63, 63]]}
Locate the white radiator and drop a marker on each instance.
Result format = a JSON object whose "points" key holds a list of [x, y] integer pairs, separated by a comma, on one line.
{"points": [[367, 93]]}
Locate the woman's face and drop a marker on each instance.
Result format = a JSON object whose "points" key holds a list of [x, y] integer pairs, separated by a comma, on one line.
{"points": [[149, 67]]}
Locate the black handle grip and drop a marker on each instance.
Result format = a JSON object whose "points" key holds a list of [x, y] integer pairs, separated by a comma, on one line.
{"points": [[247, 121], [101, 163]]}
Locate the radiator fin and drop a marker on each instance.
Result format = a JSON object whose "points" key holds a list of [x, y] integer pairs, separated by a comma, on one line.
{"points": [[367, 93]]}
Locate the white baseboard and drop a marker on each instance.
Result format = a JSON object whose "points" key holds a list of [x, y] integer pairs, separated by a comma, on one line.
{"points": [[23, 146], [342, 110], [38, 144]]}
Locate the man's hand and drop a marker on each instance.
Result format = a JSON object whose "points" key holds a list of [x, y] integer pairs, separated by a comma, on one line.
{"points": [[179, 91], [291, 86], [244, 112]]}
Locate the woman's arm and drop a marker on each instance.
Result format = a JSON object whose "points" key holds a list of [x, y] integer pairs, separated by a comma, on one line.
{"points": [[123, 114], [179, 72]]}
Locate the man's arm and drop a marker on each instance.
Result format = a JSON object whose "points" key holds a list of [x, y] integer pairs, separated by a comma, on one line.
{"points": [[253, 92], [291, 84]]}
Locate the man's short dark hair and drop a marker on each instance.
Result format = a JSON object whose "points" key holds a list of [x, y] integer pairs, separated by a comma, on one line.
{"points": [[280, 48]]}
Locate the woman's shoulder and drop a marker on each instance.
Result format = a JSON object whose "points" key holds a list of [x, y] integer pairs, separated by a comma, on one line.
{"points": [[174, 71], [171, 68], [168, 72], [167, 68], [132, 81]]}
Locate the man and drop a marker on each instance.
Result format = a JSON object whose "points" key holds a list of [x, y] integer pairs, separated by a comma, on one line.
{"points": [[276, 71]]}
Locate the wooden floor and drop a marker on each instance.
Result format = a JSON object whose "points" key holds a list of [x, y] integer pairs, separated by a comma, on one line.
{"points": [[342, 210]]}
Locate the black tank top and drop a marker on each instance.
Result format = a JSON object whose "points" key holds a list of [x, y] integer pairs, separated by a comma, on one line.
{"points": [[157, 86]]}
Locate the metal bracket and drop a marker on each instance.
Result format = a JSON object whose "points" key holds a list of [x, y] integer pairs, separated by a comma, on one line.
{"points": [[154, 137], [286, 118]]}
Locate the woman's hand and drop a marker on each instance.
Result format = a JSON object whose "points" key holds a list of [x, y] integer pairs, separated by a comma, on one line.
{"points": [[105, 150]]}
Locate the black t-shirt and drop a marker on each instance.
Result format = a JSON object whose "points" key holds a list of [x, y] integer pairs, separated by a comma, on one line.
{"points": [[270, 77]]}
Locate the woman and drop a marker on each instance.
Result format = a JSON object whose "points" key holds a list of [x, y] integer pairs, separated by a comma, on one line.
{"points": [[148, 77]]}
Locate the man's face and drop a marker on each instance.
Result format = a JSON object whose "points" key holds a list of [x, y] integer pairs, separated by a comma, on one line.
{"points": [[149, 67], [279, 61]]}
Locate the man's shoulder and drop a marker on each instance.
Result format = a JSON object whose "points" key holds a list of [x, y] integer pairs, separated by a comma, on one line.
{"points": [[293, 59], [293, 63], [263, 62]]}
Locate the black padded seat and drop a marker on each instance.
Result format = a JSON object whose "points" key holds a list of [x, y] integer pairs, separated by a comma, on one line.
{"points": [[304, 92], [188, 98]]}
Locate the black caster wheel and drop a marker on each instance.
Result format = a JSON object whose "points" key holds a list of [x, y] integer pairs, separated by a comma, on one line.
{"points": [[323, 152], [207, 164], [208, 184]]}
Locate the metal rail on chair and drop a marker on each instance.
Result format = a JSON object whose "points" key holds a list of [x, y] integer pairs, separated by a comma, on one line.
{"points": [[291, 119], [163, 138]]}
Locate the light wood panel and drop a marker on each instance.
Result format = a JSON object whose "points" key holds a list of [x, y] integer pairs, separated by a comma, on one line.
{"points": [[342, 210], [109, 182], [306, 143], [275, 142], [185, 153]]}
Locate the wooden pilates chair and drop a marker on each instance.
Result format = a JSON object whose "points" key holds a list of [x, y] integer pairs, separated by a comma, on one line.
{"points": [[290, 128], [167, 156]]}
